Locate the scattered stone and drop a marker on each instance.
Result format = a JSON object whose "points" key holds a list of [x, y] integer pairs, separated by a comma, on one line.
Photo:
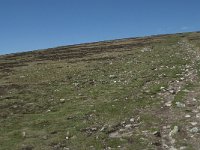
{"points": [[102, 129], [145, 132], [179, 104], [174, 131], [198, 115], [94, 129], [166, 127], [48, 110], [114, 135], [145, 49], [194, 99], [73, 137], [193, 123], [157, 134], [122, 130], [132, 120], [194, 130], [128, 126], [183, 148], [45, 137], [62, 100], [123, 123], [187, 116], [68, 134], [162, 87], [168, 104], [23, 134], [172, 91], [185, 90], [15, 106], [172, 148], [195, 111], [112, 76], [76, 84]]}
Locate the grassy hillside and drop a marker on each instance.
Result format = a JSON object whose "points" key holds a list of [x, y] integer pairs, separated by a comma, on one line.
{"points": [[130, 94]]}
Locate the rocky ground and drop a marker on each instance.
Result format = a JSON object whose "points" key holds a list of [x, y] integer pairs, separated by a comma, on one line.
{"points": [[135, 94]]}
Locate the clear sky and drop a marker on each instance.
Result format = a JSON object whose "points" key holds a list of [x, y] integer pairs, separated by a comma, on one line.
{"points": [[37, 24]]}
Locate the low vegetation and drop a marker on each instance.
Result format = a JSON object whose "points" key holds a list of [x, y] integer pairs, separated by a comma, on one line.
{"points": [[140, 93]]}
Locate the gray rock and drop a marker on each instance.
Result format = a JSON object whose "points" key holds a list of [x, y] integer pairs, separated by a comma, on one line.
{"points": [[174, 131], [128, 126], [187, 116], [23, 134], [94, 129], [198, 115], [112, 76], [168, 104], [194, 130], [183, 148], [172, 148], [172, 91], [193, 123], [62, 100], [45, 137], [132, 120], [179, 104], [157, 134]]}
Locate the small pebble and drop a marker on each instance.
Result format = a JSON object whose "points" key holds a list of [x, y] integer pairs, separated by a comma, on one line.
{"points": [[198, 115], [174, 131], [62, 100], [183, 148], [128, 126], [162, 87], [24, 134], [132, 120], [187, 116], [172, 91], [194, 99], [195, 111], [181, 105], [168, 104], [193, 123], [157, 134]]}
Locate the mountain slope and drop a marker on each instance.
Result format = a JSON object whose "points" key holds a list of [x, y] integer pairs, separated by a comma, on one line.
{"points": [[139, 93]]}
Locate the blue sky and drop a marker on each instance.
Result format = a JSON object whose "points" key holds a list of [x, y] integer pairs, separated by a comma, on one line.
{"points": [[38, 24]]}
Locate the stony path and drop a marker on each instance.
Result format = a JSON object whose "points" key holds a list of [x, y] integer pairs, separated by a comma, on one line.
{"points": [[187, 112]]}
